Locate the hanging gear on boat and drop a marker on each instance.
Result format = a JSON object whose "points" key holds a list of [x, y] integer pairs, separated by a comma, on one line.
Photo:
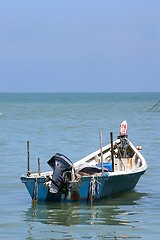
{"points": [[93, 188]]}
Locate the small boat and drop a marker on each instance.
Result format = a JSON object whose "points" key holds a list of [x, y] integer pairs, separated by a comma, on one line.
{"points": [[109, 171]]}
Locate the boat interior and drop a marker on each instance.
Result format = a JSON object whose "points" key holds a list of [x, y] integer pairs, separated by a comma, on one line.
{"points": [[124, 159]]}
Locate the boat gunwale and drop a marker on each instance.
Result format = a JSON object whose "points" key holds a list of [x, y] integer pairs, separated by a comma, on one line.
{"points": [[91, 156]]}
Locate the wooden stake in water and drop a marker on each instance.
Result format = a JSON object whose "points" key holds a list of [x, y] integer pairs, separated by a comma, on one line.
{"points": [[101, 152], [28, 159]]}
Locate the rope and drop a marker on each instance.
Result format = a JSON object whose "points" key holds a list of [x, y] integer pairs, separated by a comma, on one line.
{"points": [[35, 195], [93, 188]]}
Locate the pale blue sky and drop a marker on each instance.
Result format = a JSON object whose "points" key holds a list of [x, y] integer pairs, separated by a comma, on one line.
{"points": [[79, 46]]}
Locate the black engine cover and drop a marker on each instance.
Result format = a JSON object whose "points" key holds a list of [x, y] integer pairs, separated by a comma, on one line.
{"points": [[61, 165]]}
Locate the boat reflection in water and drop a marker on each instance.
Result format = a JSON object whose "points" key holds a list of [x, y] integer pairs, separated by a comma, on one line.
{"points": [[113, 211]]}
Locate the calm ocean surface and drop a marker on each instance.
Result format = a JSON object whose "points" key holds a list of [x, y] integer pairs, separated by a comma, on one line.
{"points": [[69, 123]]}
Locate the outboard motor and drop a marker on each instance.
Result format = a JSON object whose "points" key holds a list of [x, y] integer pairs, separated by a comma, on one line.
{"points": [[62, 168]]}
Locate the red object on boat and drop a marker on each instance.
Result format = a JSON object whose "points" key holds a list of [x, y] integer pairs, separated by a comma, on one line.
{"points": [[123, 128]]}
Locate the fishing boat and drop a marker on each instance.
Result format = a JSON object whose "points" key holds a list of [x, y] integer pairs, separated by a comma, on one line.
{"points": [[109, 171]]}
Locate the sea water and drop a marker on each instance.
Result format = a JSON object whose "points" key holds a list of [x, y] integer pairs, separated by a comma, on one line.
{"points": [[70, 123]]}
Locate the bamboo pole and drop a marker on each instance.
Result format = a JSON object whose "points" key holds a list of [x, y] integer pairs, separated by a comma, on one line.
{"points": [[112, 155], [101, 152], [39, 171], [156, 105], [28, 159]]}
